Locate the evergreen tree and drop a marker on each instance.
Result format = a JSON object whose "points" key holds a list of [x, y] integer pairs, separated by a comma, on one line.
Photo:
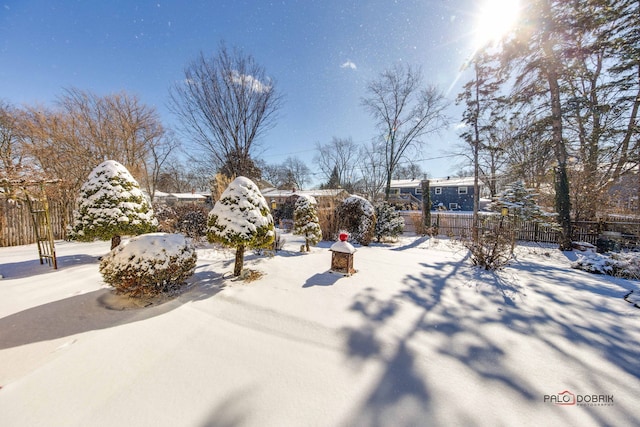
{"points": [[110, 204], [357, 216], [389, 223], [334, 179], [536, 54], [522, 205], [241, 219], [305, 220]]}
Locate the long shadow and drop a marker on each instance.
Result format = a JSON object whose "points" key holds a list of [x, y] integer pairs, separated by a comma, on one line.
{"points": [[417, 242], [322, 279], [465, 331], [401, 381], [88, 312], [22, 269]]}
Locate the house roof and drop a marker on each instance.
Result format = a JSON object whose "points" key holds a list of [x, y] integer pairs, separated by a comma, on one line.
{"points": [[273, 192], [433, 182], [179, 196]]}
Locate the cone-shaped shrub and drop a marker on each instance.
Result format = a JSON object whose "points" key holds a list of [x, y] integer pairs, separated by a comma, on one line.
{"points": [[241, 219], [305, 220], [110, 204]]}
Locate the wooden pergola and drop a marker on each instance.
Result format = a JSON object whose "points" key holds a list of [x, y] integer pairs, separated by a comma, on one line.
{"points": [[33, 193]]}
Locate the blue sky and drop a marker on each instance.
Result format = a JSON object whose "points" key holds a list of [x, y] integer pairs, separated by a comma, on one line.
{"points": [[321, 54]]}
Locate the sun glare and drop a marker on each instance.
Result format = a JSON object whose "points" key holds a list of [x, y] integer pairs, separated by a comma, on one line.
{"points": [[494, 19]]}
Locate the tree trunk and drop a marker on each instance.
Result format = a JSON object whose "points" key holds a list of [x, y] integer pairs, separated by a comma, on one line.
{"points": [[237, 268], [552, 73], [426, 205], [115, 241]]}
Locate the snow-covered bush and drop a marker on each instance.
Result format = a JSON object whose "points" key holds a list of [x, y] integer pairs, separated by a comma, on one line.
{"points": [[357, 216], [110, 204], [149, 264], [389, 222], [305, 220], [241, 219], [624, 264]]}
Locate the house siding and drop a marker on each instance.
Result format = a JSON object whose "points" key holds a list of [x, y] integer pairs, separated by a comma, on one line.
{"points": [[449, 194]]}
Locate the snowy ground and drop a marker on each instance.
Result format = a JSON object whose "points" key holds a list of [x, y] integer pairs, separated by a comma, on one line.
{"points": [[416, 337]]}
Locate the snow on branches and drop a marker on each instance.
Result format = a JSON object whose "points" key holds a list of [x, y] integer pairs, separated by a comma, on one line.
{"points": [[241, 219], [111, 204], [305, 220]]}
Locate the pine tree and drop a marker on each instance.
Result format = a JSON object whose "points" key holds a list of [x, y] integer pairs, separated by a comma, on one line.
{"points": [[241, 219], [305, 220], [521, 202], [110, 204], [389, 223]]}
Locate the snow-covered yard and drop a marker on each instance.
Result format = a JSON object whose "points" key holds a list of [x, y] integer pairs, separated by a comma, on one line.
{"points": [[416, 337]]}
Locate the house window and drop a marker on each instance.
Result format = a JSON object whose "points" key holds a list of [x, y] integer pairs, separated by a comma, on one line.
{"points": [[419, 190], [453, 206], [438, 190], [462, 190]]}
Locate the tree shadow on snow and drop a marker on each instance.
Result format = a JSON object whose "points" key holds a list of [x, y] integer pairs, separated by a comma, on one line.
{"points": [[22, 269], [467, 325], [94, 311]]}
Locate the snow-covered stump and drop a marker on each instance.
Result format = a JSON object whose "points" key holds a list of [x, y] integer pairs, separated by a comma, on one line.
{"points": [[342, 256], [149, 264]]}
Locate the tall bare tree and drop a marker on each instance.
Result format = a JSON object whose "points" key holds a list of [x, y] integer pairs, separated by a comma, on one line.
{"points": [[338, 160], [225, 104], [404, 112], [371, 165], [12, 159], [86, 129]]}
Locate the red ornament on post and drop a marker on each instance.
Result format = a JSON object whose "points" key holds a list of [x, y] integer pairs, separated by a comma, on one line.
{"points": [[342, 256]]}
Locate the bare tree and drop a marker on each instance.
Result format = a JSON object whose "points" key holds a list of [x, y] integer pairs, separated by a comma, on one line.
{"points": [[225, 104], [292, 173], [373, 177], [12, 159], [296, 172], [338, 158], [160, 151], [404, 112], [86, 129]]}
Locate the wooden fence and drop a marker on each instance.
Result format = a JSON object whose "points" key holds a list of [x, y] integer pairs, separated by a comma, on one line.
{"points": [[459, 225], [16, 225]]}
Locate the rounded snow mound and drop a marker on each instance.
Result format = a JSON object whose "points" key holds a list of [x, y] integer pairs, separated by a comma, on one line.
{"points": [[149, 264]]}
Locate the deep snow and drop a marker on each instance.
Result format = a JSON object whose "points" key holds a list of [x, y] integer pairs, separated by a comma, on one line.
{"points": [[416, 337]]}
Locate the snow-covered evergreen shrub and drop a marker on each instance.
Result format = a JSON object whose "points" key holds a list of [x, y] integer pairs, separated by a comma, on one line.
{"points": [[357, 216], [241, 219], [389, 222], [110, 204], [305, 220], [522, 205], [149, 264], [624, 264]]}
